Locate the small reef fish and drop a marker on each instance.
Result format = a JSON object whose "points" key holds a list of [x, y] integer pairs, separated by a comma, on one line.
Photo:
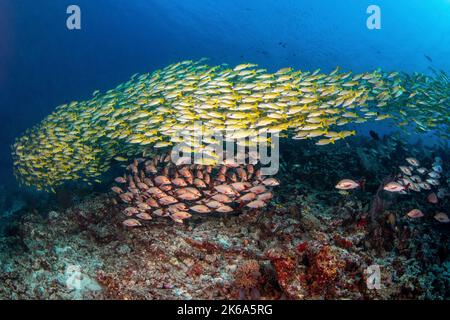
{"points": [[394, 187], [117, 190], [265, 196], [181, 215], [347, 184], [247, 198], [120, 180], [224, 209], [221, 198], [422, 170], [200, 209], [413, 161], [130, 211], [257, 204], [437, 168], [405, 170], [144, 216], [432, 198], [415, 213], [442, 217], [131, 223], [271, 182]]}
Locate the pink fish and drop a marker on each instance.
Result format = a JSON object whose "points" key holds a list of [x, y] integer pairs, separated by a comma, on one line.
{"points": [[257, 204], [199, 183], [442, 217], [165, 187], [224, 209], [239, 186], [232, 176], [223, 170], [394, 187], [131, 223], [120, 180], [179, 182], [200, 209], [130, 211], [432, 198], [148, 182], [271, 182], [117, 190], [242, 174], [143, 206], [225, 189], [247, 197], [180, 206], [161, 180], [258, 189], [221, 178], [265, 196], [167, 201], [125, 197], [134, 190], [415, 213], [221, 198], [199, 175], [185, 172], [347, 184], [160, 213], [142, 186], [181, 215], [193, 190], [144, 216], [412, 161], [188, 196], [152, 202], [214, 204]]}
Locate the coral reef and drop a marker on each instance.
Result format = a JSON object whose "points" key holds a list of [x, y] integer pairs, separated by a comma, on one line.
{"points": [[310, 242]]}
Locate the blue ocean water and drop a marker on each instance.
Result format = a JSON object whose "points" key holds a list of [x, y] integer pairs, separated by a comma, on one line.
{"points": [[43, 64]]}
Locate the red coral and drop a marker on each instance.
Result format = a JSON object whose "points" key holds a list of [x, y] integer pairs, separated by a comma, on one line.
{"points": [[284, 267], [342, 242], [247, 275], [196, 270], [302, 247], [323, 271], [203, 245], [362, 223]]}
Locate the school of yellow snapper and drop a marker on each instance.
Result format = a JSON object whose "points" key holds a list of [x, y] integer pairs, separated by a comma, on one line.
{"points": [[80, 140], [159, 187]]}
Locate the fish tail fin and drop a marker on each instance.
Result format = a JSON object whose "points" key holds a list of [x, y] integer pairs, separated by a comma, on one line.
{"points": [[362, 184]]}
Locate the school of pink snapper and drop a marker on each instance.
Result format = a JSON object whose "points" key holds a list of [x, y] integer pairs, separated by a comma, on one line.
{"points": [[413, 177], [159, 187]]}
